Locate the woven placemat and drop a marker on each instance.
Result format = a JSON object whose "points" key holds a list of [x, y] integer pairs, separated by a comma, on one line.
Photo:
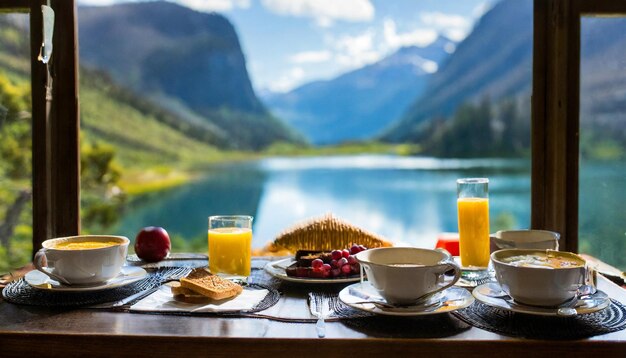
{"points": [[20, 292], [610, 319], [425, 326], [272, 297]]}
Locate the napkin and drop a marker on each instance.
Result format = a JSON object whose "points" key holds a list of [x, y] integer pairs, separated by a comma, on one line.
{"points": [[162, 300]]}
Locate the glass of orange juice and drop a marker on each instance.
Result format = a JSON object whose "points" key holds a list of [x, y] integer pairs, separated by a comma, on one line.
{"points": [[473, 209], [230, 244]]}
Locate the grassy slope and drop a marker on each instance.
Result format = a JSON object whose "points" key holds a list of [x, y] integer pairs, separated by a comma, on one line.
{"points": [[153, 155], [141, 140]]}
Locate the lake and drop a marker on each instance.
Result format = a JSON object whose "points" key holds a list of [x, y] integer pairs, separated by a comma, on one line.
{"points": [[408, 200]]}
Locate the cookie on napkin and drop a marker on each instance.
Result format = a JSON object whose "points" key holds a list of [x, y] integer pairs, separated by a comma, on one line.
{"points": [[203, 282]]}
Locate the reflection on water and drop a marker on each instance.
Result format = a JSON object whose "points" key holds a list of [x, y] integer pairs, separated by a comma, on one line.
{"points": [[184, 211], [406, 199]]}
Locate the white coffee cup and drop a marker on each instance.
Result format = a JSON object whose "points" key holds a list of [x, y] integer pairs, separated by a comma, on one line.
{"points": [[407, 275], [540, 286], [73, 260], [525, 239]]}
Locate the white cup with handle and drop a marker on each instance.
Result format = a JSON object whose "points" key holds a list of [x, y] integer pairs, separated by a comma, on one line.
{"points": [[83, 259], [408, 275], [525, 239]]}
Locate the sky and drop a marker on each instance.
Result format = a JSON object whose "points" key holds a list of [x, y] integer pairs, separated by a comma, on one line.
{"points": [[288, 43]]}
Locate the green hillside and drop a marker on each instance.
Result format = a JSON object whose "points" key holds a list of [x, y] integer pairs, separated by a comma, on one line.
{"points": [[190, 62], [141, 139], [128, 146]]}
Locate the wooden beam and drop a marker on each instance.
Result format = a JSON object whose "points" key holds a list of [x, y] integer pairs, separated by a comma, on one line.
{"points": [[555, 122], [56, 171], [42, 228], [15, 5], [538, 117], [603, 7], [64, 117]]}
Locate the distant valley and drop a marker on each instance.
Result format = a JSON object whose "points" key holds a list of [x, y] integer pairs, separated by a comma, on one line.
{"points": [[359, 104], [167, 66]]}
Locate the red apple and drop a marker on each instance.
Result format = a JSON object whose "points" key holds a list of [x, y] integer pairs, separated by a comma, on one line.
{"points": [[152, 244]]}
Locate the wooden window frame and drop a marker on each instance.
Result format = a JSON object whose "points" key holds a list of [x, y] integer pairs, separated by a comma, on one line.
{"points": [[554, 135], [556, 112], [55, 122]]}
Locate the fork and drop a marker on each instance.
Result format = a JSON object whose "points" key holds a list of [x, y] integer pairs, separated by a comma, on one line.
{"points": [[163, 275], [316, 305], [167, 274]]}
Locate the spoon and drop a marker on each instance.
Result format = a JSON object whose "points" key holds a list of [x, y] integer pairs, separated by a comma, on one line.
{"points": [[569, 308], [413, 308], [384, 305]]}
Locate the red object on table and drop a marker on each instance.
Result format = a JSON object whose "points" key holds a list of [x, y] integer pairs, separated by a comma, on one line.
{"points": [[448, 241]]}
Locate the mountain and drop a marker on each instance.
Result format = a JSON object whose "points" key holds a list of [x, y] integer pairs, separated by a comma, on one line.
{"points": [[142, 134], [359, 104], [188, 62], [495, 62], [603, 76]]}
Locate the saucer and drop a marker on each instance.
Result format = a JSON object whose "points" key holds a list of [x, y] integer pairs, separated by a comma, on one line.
{"points": [[485, 293], [277, 269], [450, 299], [128, 275]]}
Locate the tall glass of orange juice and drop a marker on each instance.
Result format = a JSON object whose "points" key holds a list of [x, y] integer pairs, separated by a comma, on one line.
{"points": [[230, 244], [473, 209]]}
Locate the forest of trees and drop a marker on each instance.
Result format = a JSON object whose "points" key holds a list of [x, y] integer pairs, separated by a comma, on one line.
{"points": [[502, 129], [15, 171], [480, 130]]}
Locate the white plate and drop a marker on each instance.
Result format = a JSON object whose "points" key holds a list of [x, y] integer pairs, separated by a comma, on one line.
{"points": [[128, 275], [485, 293], [451, 299], [277, 269]]}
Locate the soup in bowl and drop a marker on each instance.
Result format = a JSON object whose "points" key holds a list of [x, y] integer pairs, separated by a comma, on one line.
{"points": [[83, 259], [407, 275], [83, 245], [539, 277]]}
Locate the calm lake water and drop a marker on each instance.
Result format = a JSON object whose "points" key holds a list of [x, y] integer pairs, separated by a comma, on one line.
{"points": [[409, 200]]}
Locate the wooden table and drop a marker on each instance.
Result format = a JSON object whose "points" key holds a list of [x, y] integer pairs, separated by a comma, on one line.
{"points": [[83, 332]]}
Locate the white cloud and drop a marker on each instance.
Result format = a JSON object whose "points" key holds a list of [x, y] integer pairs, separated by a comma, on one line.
{"points": [[456, 27], [199, 5], [456, 34], [481, 9], [289, 80], [429, 66], [441, 20], [325, 12], [356, 44], [418, 37], [449, 47], [311, 57], [356, 51], [97, 2], [215, 5]]}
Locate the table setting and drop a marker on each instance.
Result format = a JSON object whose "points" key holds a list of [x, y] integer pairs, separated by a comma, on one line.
{"points": [[515, 283]]}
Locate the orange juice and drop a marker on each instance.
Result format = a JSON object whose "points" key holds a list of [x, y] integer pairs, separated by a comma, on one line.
{"points": [[230, 250], [474, 231]]}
